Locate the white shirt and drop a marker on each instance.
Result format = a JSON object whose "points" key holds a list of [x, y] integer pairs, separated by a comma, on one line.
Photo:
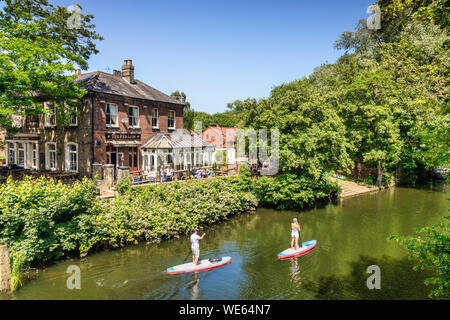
{"points": [[195, 238]]}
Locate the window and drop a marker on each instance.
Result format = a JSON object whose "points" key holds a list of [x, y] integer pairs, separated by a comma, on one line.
{"points": [[72, 157], [32, 121], [50, 116], [171, 119], [111, 115], [155, 119], [133, 158], [74, 119], [34, 155], [50, 156], [20, 154], [133, 117], [11, 152]]}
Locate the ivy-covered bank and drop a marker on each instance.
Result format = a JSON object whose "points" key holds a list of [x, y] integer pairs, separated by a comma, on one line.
{"points": [[41, 221]]}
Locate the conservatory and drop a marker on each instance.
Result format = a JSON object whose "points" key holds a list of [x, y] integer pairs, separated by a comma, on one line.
{"points": [[180, 149]]}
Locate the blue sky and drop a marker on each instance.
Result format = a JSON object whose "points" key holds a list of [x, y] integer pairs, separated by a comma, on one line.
{"points": [[219, 51]]}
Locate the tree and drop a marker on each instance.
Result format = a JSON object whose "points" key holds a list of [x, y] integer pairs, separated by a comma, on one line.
{"points": [[432, 251], [188, 114], [38, 49]]}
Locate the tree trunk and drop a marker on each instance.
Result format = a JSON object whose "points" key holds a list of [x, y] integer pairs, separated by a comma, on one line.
{"points": [[379, 173]]}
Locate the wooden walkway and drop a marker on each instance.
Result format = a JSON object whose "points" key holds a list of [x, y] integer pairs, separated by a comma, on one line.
{"points": [[350, 188]]}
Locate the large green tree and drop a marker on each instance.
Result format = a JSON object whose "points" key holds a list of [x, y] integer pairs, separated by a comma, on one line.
{"points": [[40, 47]]}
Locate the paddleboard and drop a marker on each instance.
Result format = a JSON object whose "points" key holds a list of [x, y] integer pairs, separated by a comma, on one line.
{"points": [[201, 266], [289, 253]]}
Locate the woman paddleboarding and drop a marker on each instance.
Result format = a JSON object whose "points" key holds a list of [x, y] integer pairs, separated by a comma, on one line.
{"points": [[295, 234]]}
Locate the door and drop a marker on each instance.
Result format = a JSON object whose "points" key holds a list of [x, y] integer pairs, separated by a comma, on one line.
{"points": [[133, 159], [111, 155]]}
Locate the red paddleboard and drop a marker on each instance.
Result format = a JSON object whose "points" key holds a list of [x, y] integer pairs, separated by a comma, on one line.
{"points": [[290, 253], [201, 266]]}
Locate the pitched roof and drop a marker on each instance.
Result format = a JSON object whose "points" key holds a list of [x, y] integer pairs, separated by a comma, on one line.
{"points": [[100, 81], [175, 140]]}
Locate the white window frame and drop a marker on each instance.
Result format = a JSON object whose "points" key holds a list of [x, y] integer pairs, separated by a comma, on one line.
{"points": [[68, 157], [49, 116], [47, 156], [116, 125], [34, 155], [18, 150], [134, 116], [74, 124], [157, 118], [13, 152], [174, 120]]}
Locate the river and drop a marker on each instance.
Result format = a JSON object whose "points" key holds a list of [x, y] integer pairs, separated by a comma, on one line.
{"points": [[351, 235]]}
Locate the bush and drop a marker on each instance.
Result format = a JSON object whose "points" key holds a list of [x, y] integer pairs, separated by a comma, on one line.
{"points": [[39, 218], [290, 191], [369, 180], [161, 211]]}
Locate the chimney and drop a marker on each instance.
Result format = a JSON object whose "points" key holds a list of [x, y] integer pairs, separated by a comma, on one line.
{"points": [[77, 72], [117, 73], [128, 71]]}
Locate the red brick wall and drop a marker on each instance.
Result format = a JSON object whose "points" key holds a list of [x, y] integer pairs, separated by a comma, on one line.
{"points": [[145, 122]]}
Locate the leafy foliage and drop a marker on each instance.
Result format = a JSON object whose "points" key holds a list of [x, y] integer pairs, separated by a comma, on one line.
{"points": [[38, 50], [432, 251], [289, 191], [40, 219]]}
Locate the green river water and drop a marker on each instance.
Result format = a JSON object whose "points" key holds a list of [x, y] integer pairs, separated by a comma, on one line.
{"points": [[351, 235]]}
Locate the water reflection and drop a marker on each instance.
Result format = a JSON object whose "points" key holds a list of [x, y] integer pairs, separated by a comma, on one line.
{"points": [[295, 272]]}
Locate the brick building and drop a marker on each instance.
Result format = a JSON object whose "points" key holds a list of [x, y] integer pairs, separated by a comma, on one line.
{"points": [[119, 114], [224, 139]]}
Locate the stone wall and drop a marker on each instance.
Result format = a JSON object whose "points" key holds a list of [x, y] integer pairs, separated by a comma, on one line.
{"points": [[5, 271]]}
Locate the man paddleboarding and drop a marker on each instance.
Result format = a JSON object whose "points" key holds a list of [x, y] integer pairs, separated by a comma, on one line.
{"points": [[195, 245], [295, 234]]}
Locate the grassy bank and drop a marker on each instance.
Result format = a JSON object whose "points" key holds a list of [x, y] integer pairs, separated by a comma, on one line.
{"points": [[41, 221]]}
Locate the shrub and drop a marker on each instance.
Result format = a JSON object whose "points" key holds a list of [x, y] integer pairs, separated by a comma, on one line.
{"points": [[161, 211], [290, 191], [38, 218]]}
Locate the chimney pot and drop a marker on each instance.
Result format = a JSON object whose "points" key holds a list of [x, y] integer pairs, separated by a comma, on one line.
{"points": [[77, 72], [117, 73]]}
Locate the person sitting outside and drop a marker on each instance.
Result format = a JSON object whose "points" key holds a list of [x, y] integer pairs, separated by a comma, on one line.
{"points": [[199, 173], [169, 173], [181, 175]]}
